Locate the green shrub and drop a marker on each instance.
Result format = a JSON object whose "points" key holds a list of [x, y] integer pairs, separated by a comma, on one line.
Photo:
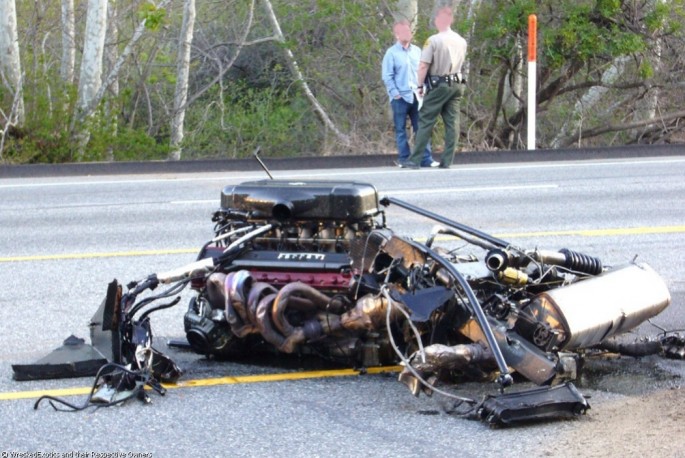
{"points": [[279, 122]]}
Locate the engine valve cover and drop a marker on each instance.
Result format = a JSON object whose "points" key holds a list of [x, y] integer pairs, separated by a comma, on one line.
{"points": [[311, 200]]}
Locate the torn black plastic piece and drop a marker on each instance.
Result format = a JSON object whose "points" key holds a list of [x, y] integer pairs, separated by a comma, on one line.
{"points": [[561, 401], [104, 325], [74, 358], [424, 302]]}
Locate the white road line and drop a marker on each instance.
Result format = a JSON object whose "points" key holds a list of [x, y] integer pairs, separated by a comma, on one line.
{"points": [[412, 192], [194, 202], [242, 176], [472, 189]]}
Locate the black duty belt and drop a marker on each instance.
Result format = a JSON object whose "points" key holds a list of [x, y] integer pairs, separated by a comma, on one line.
{"points": [[454, 78]]}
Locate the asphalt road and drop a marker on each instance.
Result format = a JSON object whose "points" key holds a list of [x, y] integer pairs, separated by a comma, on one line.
{"points": [[63, 238]]}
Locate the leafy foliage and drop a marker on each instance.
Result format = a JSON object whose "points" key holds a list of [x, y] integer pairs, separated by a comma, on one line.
{"points": [[153, 16], [338, 46], [249, 117]]}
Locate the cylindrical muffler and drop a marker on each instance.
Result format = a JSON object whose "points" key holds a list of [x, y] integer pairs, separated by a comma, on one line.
{"points": [[591, 310]]}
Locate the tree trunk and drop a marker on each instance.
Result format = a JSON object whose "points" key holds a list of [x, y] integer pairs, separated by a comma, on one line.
{"points": [[470, 17], [297, 74], [114, 72], [513, 89], [586, 103], [111, 56], [68, 62], [407, 9], [182, 71], [90, 79], [10, 61], [111, 46], [646, 107], [224, 68], [93, 52]]}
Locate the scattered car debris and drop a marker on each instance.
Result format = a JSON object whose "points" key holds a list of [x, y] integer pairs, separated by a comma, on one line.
{"points": [[74, 358], [311, 267]]}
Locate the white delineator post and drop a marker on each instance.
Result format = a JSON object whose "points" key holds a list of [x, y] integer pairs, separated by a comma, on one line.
{"points": [[532, 78]]}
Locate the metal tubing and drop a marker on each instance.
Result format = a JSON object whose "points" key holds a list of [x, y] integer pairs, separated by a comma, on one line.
{"points": [[441, 219], [259, 159], [247, 237], [505, 378]]}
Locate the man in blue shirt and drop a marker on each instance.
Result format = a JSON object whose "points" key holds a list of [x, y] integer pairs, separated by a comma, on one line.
{"points": [[399, 73]]}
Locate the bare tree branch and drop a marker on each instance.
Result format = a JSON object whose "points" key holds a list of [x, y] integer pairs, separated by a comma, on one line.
{"points": [[295, 69], [242, 43], [114, 72], [223, 70], [622, 127]]}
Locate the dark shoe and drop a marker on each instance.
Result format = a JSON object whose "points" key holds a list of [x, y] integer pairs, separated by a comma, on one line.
{"points": [[408, 165], [444, 166]]}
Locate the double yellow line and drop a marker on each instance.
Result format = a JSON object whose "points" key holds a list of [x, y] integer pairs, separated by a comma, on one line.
{"points": [[228, 380]]}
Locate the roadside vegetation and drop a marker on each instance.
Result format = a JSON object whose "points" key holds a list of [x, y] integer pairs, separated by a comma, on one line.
{"points": [[118, 80]]}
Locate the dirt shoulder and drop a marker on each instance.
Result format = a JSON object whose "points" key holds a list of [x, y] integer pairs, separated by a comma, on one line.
{"points": [[652, 424]]}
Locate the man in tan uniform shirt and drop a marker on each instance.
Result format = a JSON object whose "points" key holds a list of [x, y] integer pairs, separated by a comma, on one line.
{"points": [[440, 68]]}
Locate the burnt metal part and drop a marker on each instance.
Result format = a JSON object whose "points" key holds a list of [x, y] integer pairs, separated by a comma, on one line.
{"points": [[439, 357], [538, 404], [526, 358], [674, 346], [504, 379], [636, 349]]}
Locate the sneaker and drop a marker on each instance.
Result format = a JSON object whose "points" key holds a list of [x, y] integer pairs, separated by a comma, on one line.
{"points": [[434, 164], [408, 165]]}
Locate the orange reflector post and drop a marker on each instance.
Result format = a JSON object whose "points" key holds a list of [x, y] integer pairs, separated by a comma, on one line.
{"points": [[532, 38], [532, 83]]}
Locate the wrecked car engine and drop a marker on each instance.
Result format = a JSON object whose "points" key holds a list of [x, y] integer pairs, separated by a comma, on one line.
{"points": [[311, 267]]}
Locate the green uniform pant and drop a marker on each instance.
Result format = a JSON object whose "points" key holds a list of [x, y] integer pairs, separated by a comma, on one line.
{"points": [[440, 101]]}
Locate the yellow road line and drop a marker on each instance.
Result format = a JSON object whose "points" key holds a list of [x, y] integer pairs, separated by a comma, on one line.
{"points": [[600, 232], [14, 395], [241, 379], [573, 232], [52, 257]]}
